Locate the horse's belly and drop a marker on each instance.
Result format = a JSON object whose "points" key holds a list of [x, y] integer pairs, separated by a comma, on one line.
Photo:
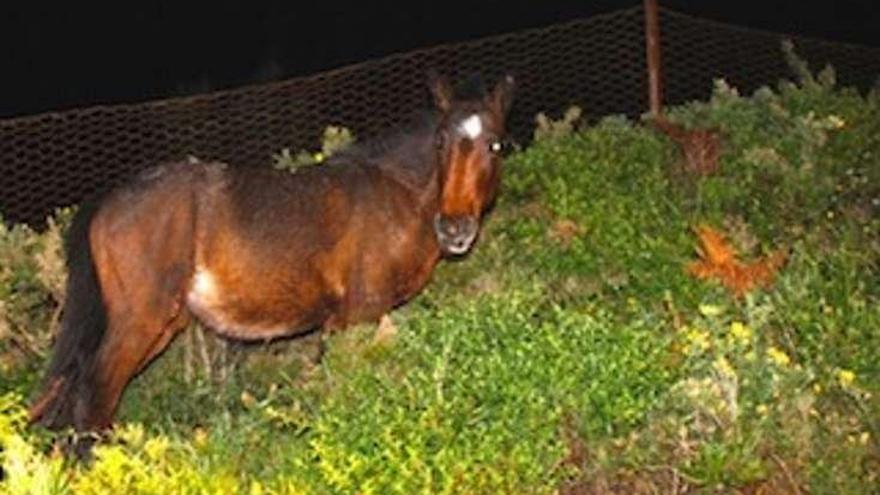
{"points": [[247, 314]]}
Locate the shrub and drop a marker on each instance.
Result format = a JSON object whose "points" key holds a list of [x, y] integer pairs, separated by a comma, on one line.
{"points": [[32, 275], [571, 353]]}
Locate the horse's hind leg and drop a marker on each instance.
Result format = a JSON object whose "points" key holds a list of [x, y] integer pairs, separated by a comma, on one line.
{"points": [[132, 342], [144, 266], [129, 347]]}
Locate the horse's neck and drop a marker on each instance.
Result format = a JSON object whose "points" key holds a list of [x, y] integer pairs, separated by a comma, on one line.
{"points": [[416, 170]]}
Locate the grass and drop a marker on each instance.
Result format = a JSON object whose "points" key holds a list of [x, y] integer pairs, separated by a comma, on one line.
{"points": [[571, 352]]}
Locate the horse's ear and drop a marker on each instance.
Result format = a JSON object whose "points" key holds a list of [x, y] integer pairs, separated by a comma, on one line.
{"points": [[441, 90], [502, 96]]}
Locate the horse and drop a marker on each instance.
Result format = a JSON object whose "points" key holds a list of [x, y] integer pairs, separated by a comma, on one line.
{"points": [[258, 253]]}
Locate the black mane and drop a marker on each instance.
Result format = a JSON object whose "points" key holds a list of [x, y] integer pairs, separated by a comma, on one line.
{"points": [[400, 138], [405, 152], [472, 88], [411, 136]]}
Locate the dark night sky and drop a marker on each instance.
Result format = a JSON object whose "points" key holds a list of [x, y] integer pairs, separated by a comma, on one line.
{"points": [[78, 53]]}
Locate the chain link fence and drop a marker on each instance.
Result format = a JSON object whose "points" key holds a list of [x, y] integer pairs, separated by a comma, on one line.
{"points": [[57, 159]]}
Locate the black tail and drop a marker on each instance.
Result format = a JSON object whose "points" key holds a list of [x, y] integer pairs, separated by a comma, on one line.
{"points": [[70, 379]]}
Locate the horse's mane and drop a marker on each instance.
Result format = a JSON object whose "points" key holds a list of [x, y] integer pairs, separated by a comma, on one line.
{"points": [[405, 151], [420, 125]]}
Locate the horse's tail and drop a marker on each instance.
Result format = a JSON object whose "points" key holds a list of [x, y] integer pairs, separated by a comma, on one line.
{"points": [[70, 377]]}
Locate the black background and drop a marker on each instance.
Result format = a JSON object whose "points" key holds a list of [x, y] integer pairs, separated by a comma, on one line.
{"points": [[79, 53]]}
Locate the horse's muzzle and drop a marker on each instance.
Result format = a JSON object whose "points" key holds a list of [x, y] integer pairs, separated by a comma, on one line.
{"points": [[456, 235]]}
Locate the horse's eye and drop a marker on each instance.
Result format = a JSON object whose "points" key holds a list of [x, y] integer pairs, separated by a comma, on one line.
{"points": [[496, 146]]}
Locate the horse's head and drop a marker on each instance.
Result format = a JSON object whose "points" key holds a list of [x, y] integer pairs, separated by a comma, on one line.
{"points": [[469, 145]]}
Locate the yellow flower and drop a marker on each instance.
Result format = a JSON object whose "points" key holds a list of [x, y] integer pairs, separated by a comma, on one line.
{"points": [[761, 409], [710, 310], [779, 357], [156, 447], [200, 437], [697, 340], [835, 122], [722, 365], [845, 377], [132, 434], [740, 332]]}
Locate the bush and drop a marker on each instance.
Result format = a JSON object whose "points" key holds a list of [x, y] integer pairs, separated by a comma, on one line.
{"points": [[571, 353], [32, 275]]}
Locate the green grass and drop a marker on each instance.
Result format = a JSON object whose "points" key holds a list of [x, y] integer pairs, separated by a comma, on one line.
{"points": [[571, 352]]}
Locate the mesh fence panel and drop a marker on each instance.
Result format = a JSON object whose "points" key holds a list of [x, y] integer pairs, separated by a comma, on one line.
{"points": [[57, 159]]}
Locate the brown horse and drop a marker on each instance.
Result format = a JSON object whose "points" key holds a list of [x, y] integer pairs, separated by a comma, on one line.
{"points": [[259, 254]]}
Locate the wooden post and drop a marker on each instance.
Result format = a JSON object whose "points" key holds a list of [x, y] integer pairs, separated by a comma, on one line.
{"points": [[652, 49]]}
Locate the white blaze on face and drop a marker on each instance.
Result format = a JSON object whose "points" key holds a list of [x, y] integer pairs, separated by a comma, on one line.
{"points": [[472, 126]]}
